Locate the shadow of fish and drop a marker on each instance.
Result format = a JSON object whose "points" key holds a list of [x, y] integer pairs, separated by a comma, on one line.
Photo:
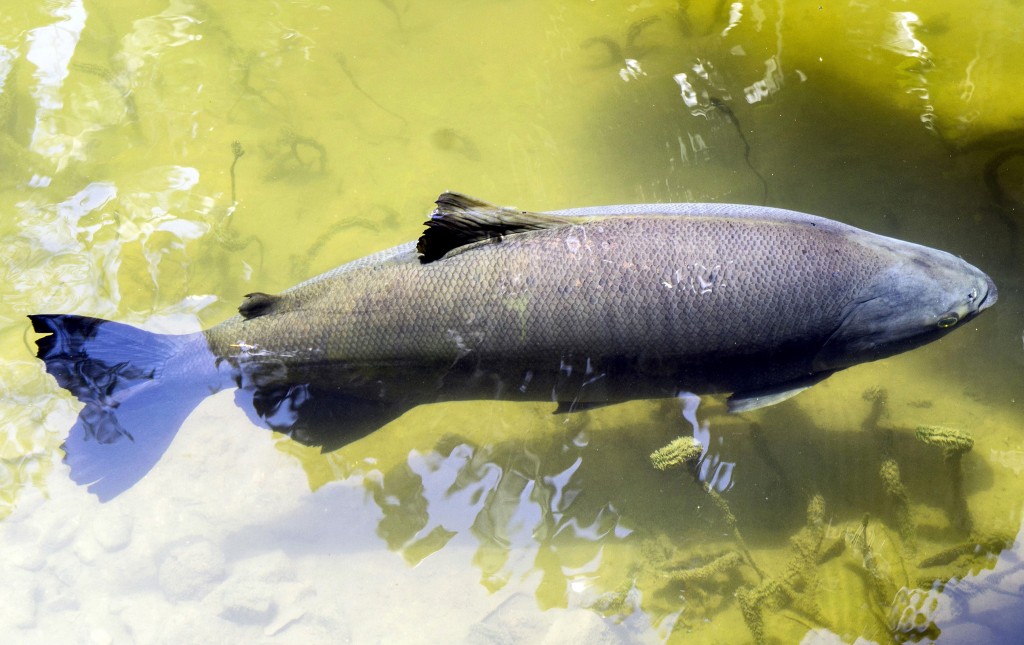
{"points": [[583, 307]]}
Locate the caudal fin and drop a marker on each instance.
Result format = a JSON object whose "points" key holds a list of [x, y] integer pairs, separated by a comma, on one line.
{"points": [[136, 389]]}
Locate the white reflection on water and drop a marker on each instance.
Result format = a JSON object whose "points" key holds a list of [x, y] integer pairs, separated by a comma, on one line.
{"points": [[632, 70], [50, 50], [449, 506], [7, 58], [52, 243], [772, 80], [686, 89], [714, 471], [71, 250], [84, 238], [152, 35], [984, 606], [769, 84], [735, 14], [902, 39]]}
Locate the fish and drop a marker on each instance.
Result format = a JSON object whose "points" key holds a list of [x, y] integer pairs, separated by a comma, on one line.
{"points": [[584, 308]]}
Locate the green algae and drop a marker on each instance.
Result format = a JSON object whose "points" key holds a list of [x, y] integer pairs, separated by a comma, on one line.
{"points": [[979, 547], [722, 565], [880, 583], [889, 472], [955, 443], [796, 588], [687, 451], [281, 86], [678, 452], [951, 440]]}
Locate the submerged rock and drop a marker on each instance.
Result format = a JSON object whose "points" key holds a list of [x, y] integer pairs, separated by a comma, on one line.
{"points": [[247, 604], [520, 620], [112, 529], [190, 571], [253, 592], [581, 626], [20, 605]]}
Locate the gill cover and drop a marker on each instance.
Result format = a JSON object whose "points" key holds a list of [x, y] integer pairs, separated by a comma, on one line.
{"points": [[903, 308]]}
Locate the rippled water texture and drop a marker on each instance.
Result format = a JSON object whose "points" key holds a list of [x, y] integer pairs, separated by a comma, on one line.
{"points": [[161, 159]]}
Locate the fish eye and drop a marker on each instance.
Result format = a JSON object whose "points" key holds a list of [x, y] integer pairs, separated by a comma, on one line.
{"points": [[948, 320]]}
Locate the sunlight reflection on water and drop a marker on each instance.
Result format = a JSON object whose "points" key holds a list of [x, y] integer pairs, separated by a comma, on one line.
{"points": [[125, 197]]}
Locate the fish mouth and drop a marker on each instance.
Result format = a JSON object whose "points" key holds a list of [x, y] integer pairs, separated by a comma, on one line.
{"points": [[991, 295]]}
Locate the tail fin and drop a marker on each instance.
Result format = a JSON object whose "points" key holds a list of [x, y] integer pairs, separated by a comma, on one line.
{"points": [[136, 397]]}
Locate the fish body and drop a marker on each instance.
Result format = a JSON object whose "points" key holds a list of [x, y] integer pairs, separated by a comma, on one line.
{"points": [[583, 307]]}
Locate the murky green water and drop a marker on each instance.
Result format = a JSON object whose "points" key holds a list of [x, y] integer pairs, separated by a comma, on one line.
{"points": [[160, 159]]}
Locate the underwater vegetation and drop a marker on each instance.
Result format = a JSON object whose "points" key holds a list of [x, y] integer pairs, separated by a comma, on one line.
{"points": [[900, 587], [162, 159]]}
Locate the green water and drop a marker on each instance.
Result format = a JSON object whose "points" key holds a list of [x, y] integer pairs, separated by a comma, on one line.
{"points": [[161, 159]]}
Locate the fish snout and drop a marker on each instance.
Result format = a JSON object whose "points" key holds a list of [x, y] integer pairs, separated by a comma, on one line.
{"points": [[990, 296]]}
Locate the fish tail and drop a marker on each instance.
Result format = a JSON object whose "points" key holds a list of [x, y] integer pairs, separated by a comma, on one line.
{"points": [[137, 386]]}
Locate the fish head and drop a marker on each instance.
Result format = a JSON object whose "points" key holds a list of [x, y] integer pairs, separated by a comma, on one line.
{"points": [[921, 295]]}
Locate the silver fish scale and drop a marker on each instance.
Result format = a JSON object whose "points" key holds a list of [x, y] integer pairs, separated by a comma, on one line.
{"points": [[686, 288]]}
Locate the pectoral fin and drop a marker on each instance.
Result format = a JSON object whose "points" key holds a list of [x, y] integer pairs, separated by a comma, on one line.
{"points": [[753, 399]]}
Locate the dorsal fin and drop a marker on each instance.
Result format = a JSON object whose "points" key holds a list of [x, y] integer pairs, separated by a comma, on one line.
{"points": [[460, 220], [257, 304]]}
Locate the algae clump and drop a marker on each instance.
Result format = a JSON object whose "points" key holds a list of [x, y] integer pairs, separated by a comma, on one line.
{"points": [[952, 440], [682, 450], [955, 443]]}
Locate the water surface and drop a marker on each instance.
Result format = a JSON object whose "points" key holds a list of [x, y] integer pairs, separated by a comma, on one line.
{"points": [[161, 159]]}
